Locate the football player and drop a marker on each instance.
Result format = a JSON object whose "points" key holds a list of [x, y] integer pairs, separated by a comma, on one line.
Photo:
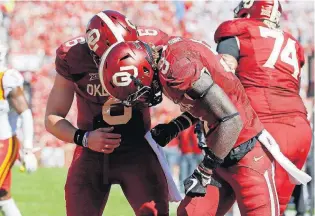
{"points": [[110, 137], [268, 62], [193, 75], [13, 105]]}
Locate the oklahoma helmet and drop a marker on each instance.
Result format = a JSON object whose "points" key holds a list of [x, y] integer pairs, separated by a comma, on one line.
{"points": [[259, 9], [126, 73], [106, 28]]}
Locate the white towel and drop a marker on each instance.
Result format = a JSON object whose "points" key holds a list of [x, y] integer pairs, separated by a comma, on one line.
{"points": [[296, 175], [173, 193]]}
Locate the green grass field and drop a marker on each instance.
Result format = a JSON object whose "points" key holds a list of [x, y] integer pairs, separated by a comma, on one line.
{"points": [[42, 194]]}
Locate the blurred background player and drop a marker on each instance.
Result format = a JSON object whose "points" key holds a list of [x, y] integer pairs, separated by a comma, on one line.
{"points": [[14, 110], [268, 62], [111, 144]]}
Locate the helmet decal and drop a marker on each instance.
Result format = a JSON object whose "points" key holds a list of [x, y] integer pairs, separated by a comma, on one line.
{"points": [[93, 37], [100, 73], [123, 78], [111, 26]]}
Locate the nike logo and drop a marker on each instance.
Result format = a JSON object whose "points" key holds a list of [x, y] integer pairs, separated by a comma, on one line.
{"points": [[258, 158], [194, 183]]}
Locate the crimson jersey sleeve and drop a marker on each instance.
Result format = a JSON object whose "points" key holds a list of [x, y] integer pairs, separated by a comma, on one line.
{"points": [[152, 35], [64, 54], [61, 64], [229, 28]]}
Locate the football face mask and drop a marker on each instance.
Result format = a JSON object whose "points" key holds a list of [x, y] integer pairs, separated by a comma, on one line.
{"points": [[147, 96]]}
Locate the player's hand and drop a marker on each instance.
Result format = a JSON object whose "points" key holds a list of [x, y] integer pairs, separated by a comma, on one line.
{"points": [[164, 133], [102, 140], [29, 160], [196, 184]]}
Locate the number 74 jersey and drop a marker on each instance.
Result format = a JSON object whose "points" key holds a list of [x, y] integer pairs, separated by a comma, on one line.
{"points": [[269, 67]]}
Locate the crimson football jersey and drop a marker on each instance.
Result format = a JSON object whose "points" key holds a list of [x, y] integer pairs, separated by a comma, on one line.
{"points": [[182, 63], [95, 107], [152, 35], [269, 67]]}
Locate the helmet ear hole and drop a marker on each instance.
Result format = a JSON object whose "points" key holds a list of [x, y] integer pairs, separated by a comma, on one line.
{"points": [[107, 43], [146, 70]]}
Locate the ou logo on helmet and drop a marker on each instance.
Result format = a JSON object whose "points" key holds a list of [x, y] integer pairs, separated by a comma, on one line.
{"points": [[93, 36], [123, 78]]}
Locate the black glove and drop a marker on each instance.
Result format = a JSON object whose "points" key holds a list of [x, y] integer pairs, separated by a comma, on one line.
{"points": [[196, 184], [164, 133]]}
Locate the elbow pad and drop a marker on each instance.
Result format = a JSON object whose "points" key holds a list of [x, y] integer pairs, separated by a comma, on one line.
{"points": [[201, 87]]}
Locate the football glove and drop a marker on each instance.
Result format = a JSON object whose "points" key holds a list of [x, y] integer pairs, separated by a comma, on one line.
{"points": [[164, 133], [29, 160], [196, 184]]}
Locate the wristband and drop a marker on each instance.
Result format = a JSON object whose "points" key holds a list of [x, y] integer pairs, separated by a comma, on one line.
{"points": [[85, 139], [79, 136]]}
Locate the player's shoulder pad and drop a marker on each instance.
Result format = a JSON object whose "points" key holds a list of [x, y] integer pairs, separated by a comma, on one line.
{"points": [[12, 79], [230, 28]]}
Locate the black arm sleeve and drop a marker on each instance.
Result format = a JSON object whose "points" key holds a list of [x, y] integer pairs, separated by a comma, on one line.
{"points": [[229, 46]]}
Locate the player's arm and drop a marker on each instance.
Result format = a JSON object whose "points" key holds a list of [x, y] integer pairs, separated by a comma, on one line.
{"points": [[215, 104], [18, 102], [164, 133], [58, 106], [229, 48]]}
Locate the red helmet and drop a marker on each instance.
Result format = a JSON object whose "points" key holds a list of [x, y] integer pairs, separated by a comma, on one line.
{"points": [[106, 28], [259, 9], [126, 73]]}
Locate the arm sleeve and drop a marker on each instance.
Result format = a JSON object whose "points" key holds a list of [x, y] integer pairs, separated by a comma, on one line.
{"points": [[229, 46], [27, 128]]}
